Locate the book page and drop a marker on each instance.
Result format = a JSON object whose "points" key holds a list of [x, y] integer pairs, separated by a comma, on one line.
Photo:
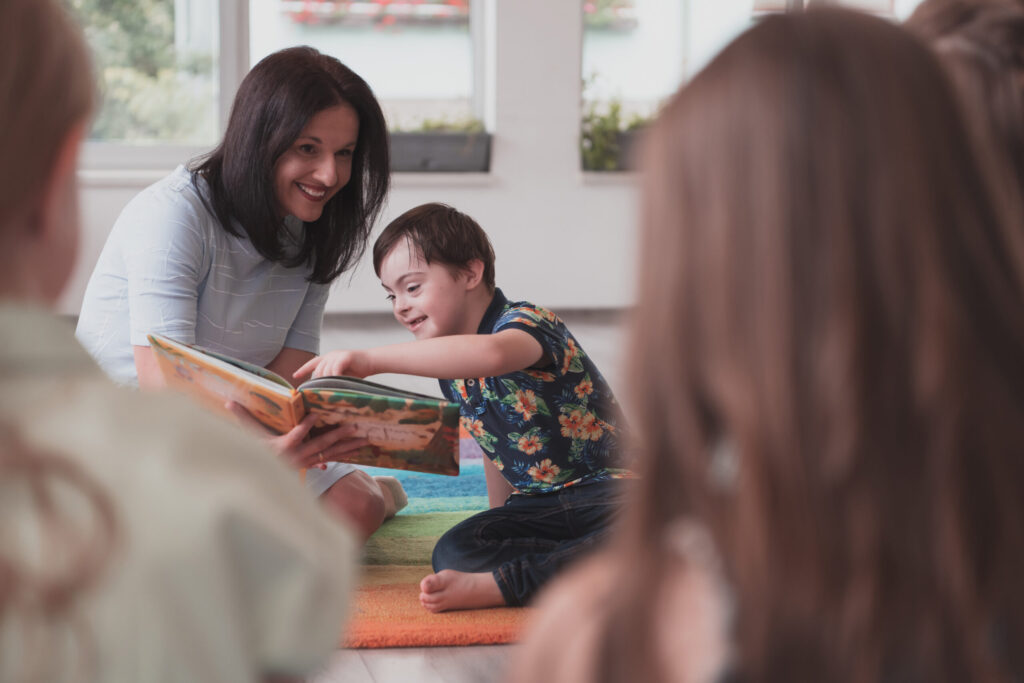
{"points": [[361, 386], [405, 432]]}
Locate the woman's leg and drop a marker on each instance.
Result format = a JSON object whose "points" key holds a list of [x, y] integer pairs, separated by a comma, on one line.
{"points": [[359, 500]]}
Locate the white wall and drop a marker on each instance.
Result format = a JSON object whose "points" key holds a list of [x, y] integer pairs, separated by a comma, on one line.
{"points": [[564, 239]]}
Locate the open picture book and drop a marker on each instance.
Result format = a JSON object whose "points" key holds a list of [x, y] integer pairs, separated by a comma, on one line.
{"points": [[406, 431]]}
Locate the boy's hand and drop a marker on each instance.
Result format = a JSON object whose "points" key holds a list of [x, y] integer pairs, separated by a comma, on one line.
{"points": [[351, 363]]}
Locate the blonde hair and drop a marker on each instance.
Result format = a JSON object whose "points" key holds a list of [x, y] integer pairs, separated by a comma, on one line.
{"points": [[46, 88]]}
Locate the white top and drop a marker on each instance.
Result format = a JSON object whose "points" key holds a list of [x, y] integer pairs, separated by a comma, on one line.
{"points": [[170, 267], [225, 569]]}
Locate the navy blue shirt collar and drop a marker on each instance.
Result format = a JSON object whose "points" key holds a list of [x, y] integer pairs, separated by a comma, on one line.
{"points": [[492, 313]]}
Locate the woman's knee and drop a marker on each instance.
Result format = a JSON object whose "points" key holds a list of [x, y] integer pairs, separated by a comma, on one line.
{"points": [[357, 499]]}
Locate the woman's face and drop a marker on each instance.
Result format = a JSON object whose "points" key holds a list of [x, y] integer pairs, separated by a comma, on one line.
{"points": [[318, 163]]}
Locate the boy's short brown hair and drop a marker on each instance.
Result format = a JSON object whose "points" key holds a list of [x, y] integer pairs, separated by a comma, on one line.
{"points": [[443, 235]]}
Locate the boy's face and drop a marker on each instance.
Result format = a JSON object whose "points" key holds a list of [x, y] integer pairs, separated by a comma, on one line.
{"points": [[426, 298]]}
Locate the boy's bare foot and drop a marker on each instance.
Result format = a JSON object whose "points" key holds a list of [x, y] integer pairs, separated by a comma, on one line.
{"points": [[449, 589]]}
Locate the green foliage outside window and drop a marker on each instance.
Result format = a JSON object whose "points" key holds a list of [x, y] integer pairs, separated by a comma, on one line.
{"points": [[605, 132], [150, 92]]}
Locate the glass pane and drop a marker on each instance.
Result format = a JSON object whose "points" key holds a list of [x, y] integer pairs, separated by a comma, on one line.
{"points": [[416, 55], [635, 54], [156, 61]]}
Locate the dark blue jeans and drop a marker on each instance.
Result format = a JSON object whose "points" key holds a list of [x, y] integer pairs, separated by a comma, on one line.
{"points": [[530, 538]]}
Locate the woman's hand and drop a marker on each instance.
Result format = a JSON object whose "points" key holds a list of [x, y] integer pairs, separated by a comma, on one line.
{"points": [[295, 448], [351, 363]]}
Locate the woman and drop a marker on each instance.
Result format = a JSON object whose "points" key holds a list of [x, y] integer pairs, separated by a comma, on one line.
{"points": [[140, 539], [237, 254], [828, 379]]}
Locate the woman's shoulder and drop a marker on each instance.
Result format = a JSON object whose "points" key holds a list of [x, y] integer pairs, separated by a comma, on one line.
{"points": [[176, 197], [171, 211]]}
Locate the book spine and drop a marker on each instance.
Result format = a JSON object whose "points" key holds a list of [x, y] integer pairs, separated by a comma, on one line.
{"points": [[298, 407]]}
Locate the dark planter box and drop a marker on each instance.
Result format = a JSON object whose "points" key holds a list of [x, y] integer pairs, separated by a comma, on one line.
{"points": [[629, 147], [440, 152], [618, 153]]}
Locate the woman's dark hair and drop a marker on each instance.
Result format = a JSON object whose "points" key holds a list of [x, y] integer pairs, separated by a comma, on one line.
{"points": [[828, 366], [274, 103]]}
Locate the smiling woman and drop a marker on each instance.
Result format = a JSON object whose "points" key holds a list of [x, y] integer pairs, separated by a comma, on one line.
{"points": [[311, 171], [236, 253]]}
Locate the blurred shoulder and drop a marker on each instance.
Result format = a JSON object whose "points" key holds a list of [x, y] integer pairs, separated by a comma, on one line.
{"points": [[564, 636]]}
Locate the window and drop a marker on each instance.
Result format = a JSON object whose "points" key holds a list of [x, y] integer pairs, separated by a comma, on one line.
{"points": [[417, 56], [895, 9], [635, 54], [156, 66], [168, 69]]}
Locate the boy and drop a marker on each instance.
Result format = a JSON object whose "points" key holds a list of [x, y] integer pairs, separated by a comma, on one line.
{"points": [[528, 394]]}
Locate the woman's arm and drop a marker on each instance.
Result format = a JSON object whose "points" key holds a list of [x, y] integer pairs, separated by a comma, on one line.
{"points": [[147, 369]]}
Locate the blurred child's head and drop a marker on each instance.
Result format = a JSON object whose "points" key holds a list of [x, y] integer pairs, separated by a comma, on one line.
{"points": [[981, 42], [825, 356], [431, 259], [47, 86]]}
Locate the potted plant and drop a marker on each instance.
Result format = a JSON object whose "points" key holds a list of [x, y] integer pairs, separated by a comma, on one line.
{"points": [[607, 139]]}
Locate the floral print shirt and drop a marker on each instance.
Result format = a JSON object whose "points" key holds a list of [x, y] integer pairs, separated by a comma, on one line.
{"points": [[544, 428]]}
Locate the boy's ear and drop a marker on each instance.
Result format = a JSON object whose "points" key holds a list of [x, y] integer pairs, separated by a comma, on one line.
{"points": [[474, 271]]}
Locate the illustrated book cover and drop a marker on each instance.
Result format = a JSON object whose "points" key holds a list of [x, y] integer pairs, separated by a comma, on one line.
{"points": [[406, 431]]}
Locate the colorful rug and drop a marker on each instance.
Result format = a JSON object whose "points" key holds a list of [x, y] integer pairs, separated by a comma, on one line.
{"points": [[387, 609]]}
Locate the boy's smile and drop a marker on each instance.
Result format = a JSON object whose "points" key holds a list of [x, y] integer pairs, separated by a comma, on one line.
{"points": [[426, 297]]}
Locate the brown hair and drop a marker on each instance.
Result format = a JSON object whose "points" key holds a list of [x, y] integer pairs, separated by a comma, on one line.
{"points": [[442, 234], [827, 366], [982, 44], [47, 86]]}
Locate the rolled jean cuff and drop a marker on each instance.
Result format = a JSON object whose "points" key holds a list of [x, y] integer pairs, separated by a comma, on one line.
{"points": [[510, 598]]}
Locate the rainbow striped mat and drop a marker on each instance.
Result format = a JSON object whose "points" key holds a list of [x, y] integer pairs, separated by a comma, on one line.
{"points": [[387, 610]]}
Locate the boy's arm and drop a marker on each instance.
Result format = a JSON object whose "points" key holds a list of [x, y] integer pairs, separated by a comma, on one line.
{"points": [[454, 357]]}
